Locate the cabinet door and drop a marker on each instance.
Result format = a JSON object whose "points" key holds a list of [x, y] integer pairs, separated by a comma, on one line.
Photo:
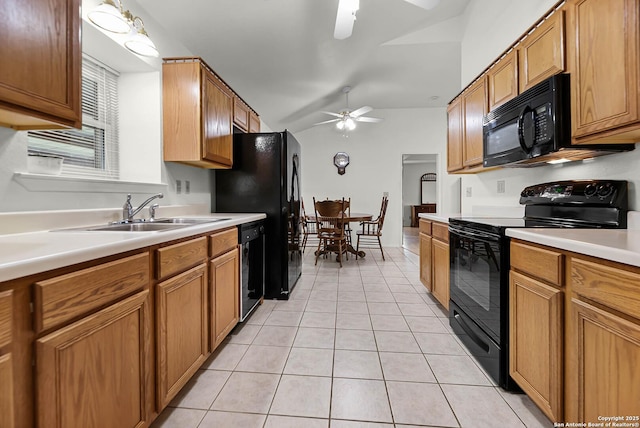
{"points": [[225, 293], [40, 73], [536, 342], [440, 285], [94, 372], [254, 122], [474, 106], [217, 145], [182, 331], [425, 261], [454, 135], [6, 370], [603, 46], [240, 114], [541, 54], [603, 365], [503, 80]]}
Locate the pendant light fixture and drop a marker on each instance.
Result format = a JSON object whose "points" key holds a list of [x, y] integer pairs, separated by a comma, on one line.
{"points": [[110, 16]]}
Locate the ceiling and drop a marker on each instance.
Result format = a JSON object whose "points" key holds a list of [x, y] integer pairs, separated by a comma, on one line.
{"points": [[281, 58]]}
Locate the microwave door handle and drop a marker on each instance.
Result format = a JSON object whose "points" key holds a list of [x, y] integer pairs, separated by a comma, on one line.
{"points": [[521, 139]]}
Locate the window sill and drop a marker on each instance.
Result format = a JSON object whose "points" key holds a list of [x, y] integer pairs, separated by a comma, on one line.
{"points": [[59, 183]]}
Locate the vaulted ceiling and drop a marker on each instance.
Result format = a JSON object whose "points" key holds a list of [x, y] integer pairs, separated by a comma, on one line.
{"points": [[281, 57]]}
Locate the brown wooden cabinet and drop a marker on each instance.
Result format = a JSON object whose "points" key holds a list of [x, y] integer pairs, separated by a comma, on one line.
{"points": [[182, 330], [542, 53], [240, 114], [40, 72], [197, 124], [536, 326], [603, 45], [604, 346], [454, 135], [503, 80], [95, 371], [474, 107], [434, 259], [254, 122], [7, 412]]}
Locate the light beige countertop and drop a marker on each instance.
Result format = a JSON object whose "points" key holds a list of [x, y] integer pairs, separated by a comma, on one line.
{"points": [[618, 245], [441, 217], [23, 254]]}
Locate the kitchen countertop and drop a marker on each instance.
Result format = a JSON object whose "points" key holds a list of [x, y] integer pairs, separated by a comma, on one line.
{"points": [[441, 217], [618, 245], [28, 253]]}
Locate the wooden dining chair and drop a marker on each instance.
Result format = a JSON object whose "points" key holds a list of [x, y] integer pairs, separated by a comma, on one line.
{"points": [[330, 227], [309, 229], [371, 231]]}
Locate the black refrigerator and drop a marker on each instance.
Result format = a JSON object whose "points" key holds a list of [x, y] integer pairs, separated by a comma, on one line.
{"points": [[266, 178]]}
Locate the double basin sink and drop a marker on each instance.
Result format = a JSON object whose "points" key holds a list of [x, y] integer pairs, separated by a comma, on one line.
{"points": [[150, 225]]}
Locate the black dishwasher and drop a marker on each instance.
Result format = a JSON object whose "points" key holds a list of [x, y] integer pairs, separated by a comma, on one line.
{"points": [[251, 266]]}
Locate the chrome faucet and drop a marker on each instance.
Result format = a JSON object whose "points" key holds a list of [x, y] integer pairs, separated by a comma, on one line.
{"points": [[127, 210]]}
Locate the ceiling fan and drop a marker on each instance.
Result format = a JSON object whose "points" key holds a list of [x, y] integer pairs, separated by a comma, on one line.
{"points": [[346, 120], [347, 9]]}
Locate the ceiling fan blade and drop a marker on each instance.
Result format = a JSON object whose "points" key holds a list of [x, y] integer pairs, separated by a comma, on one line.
{"points": [[360, 111], [332, 114], [368, 119], [425, 4], [345, 18], [327, 121]]}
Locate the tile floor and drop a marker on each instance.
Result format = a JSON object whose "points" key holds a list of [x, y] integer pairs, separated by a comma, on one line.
{"points": [[362, 346]]}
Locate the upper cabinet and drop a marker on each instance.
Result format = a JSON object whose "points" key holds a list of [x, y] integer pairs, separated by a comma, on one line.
{"points": [[541, 54], [604, 63], [503, 80], [454, 135], [199, 111], [40, 74], [254, 122], [474, 106]]}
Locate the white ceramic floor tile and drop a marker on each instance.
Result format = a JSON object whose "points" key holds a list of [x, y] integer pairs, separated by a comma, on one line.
{"points": [[243, 334], [291, 305], [416, 309], [275, 336], [386, 308], [353, 321], [356, 364], [433, 343], [352, 307], [389, 323], [478, 406], [321, 306], [247, 392], [396, 341], [173, 417], [226, 357], [409, 296], [314, 338], [284, 318], [406, 367], [358, 340], [217, 419], [302, 396], [526, 410], [360, 399], [263, 359], [318, 320], [337, 423], [275, 421], [201, 390], [310, 362], [379, 297], [420, 404], [458, 369], [426, 325]]}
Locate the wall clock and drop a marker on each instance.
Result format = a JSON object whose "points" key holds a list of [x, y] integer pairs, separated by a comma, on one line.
{"points": [[341, 160]]}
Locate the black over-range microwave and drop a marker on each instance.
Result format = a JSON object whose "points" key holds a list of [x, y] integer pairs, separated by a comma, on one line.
{"points": [[535, 127]]}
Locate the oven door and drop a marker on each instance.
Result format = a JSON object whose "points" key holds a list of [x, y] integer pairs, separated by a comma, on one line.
{"points": [[476, 277]]}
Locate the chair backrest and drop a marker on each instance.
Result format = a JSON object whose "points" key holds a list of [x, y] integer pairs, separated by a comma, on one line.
{"points": [[330, 216], [383, 212]]}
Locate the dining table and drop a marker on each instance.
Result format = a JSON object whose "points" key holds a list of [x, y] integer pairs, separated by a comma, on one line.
{"points": [[352, 217]]}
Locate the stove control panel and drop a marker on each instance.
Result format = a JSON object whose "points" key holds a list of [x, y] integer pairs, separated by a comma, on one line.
{"points": [[610, 193]]}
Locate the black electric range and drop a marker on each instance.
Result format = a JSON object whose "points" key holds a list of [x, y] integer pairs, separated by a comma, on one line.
{"points": [[479, 259]]}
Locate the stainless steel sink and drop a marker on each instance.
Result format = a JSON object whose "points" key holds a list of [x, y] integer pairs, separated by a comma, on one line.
{"points": [[147, 226], [189, 220]]}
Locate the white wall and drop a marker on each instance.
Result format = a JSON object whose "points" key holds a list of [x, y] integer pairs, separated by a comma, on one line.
{"points": [[495, 25], [411, 187], [375, 152]]}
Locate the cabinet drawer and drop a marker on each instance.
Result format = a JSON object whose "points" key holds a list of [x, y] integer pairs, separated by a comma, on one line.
{"points": [[179, 257], [611, 286], [224, 241], [440, 231], [65, 297], [425, 226], [537, 262], [6, 316]]}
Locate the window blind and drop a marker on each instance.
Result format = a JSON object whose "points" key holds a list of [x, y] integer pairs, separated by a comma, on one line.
{"points": [[91, 151]]}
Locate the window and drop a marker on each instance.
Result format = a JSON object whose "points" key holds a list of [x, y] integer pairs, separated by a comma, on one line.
{"points": [[92, 151]]}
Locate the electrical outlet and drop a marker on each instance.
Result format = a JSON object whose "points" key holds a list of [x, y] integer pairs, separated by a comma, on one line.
{"points": [[178, 186], [187, 187], [500, 186], [468, 192]]}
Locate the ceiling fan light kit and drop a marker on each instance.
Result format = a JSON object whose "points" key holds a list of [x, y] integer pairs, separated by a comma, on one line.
{"points": [[346, 120]]}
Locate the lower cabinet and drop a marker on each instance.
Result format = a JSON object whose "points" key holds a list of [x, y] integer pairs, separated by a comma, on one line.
{"points": [[224, 295], [425, 260], [7, 414], [94, 372], [440, 257], [434, 259], [182, 333]]}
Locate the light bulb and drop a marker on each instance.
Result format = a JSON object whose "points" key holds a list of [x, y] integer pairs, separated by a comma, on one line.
{"points": [[340, 125], [350, 124]]}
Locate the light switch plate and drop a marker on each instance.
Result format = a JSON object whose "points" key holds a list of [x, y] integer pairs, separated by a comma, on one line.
{"points": [[501, 186], [178, 186]]}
